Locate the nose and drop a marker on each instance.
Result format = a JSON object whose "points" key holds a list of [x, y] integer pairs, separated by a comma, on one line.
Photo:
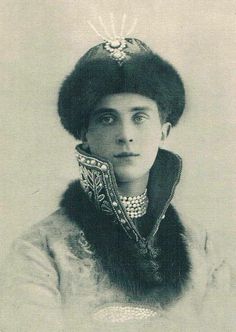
{"points": [[125, 134], [122, 140]]}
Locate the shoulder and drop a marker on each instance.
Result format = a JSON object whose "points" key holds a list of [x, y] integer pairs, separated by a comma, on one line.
{"points": [[55, 238], [56, 227]]}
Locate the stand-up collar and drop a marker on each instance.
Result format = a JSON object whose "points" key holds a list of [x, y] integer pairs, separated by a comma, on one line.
{"points": [[99, 183], [163, 179]]}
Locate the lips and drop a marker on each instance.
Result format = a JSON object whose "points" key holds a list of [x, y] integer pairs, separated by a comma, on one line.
{"points": [[126, 155]]}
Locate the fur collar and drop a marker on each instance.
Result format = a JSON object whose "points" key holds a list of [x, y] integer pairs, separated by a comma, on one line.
{"points": [[158, 275]]}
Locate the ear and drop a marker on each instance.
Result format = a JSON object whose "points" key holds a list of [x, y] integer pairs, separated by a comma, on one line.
{"points": [[165, 130]]}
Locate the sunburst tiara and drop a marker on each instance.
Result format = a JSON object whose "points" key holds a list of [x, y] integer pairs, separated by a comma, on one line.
{"points": [[118, 44]]}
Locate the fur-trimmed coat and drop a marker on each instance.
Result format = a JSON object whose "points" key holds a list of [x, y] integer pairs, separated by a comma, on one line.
{"points": [[79, 271], [51, 279]]}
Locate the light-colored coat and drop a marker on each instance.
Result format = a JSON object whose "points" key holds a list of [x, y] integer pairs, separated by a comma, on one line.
{"points": [[52, 283]]}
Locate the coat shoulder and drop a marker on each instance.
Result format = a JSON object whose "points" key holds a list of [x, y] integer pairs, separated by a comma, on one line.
{"points": [[54, 234], [55, 225]]}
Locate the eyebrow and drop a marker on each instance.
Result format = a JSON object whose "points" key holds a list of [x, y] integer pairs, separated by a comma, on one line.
{"points": [[141, 108]]}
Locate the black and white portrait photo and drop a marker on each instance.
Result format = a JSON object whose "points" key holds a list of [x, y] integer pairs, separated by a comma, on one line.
{"points": [[118, 166]]}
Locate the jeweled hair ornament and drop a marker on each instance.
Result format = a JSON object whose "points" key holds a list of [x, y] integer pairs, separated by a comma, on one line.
{"points": [[119, 46]]}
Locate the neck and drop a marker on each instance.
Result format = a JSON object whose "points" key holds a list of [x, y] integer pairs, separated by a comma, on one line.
{"points": [[133, 188]]}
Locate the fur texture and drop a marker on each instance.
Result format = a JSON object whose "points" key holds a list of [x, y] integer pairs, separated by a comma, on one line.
{"points": [[143, 278], [147, 75]]}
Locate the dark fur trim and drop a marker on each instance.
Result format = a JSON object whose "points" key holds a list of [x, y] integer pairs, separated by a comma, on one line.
{"points": [[159, 280], [146, 74]]}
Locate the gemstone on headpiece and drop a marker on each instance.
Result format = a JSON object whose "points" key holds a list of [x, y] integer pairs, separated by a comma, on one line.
{"points": [[116, 48], [115, 43], [118, 54]]}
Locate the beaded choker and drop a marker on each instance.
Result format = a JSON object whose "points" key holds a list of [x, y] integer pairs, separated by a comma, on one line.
{"points": [[135, 206]]}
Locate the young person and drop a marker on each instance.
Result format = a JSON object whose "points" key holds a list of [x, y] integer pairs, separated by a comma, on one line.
{"points": [[116, 255]]}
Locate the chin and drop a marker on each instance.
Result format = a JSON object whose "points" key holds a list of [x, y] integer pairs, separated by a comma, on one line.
{"points": [[129, 175]]}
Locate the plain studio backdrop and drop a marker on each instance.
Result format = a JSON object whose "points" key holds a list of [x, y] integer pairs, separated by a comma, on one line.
{"points": [[42, 40]]}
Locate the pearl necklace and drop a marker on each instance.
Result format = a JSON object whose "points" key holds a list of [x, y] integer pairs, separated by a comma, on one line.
{"points": [[136, 206]]}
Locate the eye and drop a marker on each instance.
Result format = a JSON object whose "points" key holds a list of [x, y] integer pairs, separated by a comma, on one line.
{"points": [[106, 119], [140, 118]]}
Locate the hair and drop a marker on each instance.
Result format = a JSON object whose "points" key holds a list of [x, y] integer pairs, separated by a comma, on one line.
{"points": [[145, 74]]}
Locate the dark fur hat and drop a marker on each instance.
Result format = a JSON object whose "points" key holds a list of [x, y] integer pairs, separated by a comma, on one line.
{"points": [[143, 72]]}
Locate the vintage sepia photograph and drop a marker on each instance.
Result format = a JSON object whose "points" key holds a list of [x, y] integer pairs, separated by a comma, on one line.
{"points": [[118, 166]]}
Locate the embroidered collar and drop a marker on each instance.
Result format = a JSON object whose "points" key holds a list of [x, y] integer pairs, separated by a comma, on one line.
{"points": [[99, 183]]}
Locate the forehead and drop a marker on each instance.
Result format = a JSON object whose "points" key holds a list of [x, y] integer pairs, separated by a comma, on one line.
{"points": [[126, 101]]}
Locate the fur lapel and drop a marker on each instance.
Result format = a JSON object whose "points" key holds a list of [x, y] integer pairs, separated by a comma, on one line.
{"points": [[157, 279]]}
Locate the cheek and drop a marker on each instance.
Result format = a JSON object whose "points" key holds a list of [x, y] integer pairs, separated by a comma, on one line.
{"points": [[152, 136], [150, 143], [99, 142]]}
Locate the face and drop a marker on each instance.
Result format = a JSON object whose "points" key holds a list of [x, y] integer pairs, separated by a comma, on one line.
{"points": [[126, 129]]}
